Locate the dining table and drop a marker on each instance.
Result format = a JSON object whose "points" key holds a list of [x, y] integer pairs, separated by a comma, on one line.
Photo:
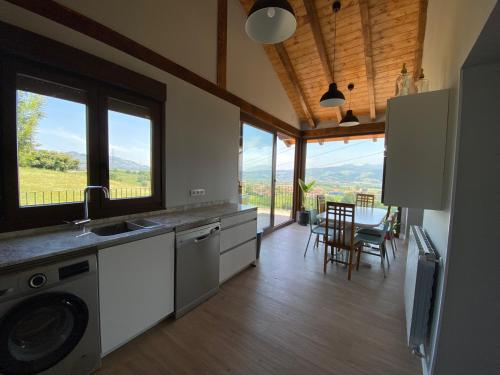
{"points": [[364, 217]]}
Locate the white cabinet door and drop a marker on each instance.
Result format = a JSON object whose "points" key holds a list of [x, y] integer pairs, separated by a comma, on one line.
{"points": [[136, 288], [416, 129]]}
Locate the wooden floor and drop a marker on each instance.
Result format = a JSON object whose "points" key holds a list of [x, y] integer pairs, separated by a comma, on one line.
{"points": [[284, 317]]}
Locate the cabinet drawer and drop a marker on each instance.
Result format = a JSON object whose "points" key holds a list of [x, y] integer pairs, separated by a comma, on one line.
{"points": [[236, 260], [237, 235], [238, 219]]}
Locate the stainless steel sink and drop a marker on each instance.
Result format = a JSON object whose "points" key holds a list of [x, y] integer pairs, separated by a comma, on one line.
{"points": [[124, 227]]}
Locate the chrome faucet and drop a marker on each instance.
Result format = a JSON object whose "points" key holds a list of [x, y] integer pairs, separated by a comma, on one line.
{"points": [[86, 198]]}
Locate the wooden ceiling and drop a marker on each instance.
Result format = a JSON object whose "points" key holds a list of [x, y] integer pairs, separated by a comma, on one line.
{"points": [[374, 39]]}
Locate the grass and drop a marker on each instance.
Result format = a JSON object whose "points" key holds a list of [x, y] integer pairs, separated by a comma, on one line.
{"points": [[43, 186]]}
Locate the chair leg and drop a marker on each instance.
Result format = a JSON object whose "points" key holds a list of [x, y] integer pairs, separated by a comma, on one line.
{"points": [[384, 248], [394, 243], [359, 257], [391, 241], [325, 259], [382, 255], [316, 243], [349, 271], [309, 240]]}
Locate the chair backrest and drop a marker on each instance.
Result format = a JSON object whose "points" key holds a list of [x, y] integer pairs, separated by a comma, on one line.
{"points": [[313, 218], [340, 221], [365, 200], [321, 203]]}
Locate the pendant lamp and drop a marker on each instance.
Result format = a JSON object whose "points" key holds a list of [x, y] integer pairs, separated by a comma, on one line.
{"points": [[271, 21], [349, 119], [333, 97]]}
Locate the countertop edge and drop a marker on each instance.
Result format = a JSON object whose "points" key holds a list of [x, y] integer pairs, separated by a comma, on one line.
{"points": [[85, 249]]}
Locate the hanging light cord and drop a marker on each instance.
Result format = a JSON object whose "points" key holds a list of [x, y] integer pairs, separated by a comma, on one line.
{"points": [[334, 42], [350, 92]]}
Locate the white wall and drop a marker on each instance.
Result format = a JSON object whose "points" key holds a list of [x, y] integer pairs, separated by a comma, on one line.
{"points": [[468, 339], [186, 32], [452, 28], [201, 130], [250, 74]]}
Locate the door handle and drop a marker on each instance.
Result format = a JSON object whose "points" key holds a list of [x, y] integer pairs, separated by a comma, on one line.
{"points": [[206, 236]]}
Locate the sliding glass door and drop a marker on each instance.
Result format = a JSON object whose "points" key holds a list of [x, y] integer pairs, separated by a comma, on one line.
{"points": [[283, 192], [267, 163]]}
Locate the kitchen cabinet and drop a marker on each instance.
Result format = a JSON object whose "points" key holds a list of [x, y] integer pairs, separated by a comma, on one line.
{"points": [[238, 243], [416, 131], [136, 288]]}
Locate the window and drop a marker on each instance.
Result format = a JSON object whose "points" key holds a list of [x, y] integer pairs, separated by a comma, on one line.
{"points": [[267, 174], [343, 167], [51, 123], [129, 145], [64, 132]]}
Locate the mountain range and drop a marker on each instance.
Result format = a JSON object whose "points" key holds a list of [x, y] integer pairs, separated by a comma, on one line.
{"points": [[366, 173], [115, 163]]}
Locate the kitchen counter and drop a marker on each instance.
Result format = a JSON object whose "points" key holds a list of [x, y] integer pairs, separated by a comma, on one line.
{"points": [[35, 246]]}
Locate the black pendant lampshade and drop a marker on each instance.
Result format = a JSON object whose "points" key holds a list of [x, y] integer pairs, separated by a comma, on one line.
{"points": [[349, 119], [333, 97], [271, 21]]}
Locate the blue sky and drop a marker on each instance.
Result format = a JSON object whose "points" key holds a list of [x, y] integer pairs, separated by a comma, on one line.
{"points": [[64, 129], [257, 152]]}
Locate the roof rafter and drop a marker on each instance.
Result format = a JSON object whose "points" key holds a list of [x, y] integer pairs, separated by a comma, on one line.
{"points": [[320, 46], [292, 76], [367, 43], [422, 19]]}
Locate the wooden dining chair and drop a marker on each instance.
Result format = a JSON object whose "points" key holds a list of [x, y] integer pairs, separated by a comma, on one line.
{"points": [[320, 203], [374, 243], [342, 236], [387, 231], [365, 200]]}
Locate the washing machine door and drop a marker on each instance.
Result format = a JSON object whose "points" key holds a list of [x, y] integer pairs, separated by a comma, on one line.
{"points": [[40, 331]]}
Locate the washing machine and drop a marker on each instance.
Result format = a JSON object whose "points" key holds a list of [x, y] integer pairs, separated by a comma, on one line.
{"points": [[49, 319]]}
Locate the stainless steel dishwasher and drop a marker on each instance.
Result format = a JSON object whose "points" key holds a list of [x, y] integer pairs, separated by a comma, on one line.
{"points": [[197, 266]]}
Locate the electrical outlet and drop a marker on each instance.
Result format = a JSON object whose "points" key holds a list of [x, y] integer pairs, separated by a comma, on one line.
{"points": [[197, 192]]}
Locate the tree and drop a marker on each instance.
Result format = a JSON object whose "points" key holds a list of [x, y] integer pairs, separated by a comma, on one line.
{"points": [[29, 114]]}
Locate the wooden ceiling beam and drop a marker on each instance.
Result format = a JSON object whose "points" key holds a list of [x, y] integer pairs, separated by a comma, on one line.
{"points": [[368, 52], [339, 132], [292, 76], [222, 43], [422, 19], [321, 46]]}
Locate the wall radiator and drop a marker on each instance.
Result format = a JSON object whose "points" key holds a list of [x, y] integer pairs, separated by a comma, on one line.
{"points": [[419, 282]]}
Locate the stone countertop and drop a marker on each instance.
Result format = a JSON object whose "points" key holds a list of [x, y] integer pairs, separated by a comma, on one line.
{"points": [[41, 245]]}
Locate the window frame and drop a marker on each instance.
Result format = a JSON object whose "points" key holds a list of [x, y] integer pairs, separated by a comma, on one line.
{"points": [[254, 122], [15, 217], [131, 205]]}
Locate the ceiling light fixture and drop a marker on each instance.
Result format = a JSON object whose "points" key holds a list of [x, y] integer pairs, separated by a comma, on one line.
{"points": [[271, 21], [333, 97], [349, 119]]}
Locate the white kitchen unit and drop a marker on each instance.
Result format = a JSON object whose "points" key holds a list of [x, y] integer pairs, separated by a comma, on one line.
{"points": [[238, 243], [416, 127], [136, 288]]}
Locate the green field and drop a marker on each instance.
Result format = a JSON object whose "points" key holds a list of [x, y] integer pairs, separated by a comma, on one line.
{"points": [[43, 186]]}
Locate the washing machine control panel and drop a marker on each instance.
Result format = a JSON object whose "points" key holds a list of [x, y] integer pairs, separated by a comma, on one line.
{"points": [[37, 280]]}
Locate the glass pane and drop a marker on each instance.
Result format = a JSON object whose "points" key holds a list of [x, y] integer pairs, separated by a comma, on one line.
{"points": [[342, 168], [285, 163], [256, 172], [129, 131], [51, 143]]}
